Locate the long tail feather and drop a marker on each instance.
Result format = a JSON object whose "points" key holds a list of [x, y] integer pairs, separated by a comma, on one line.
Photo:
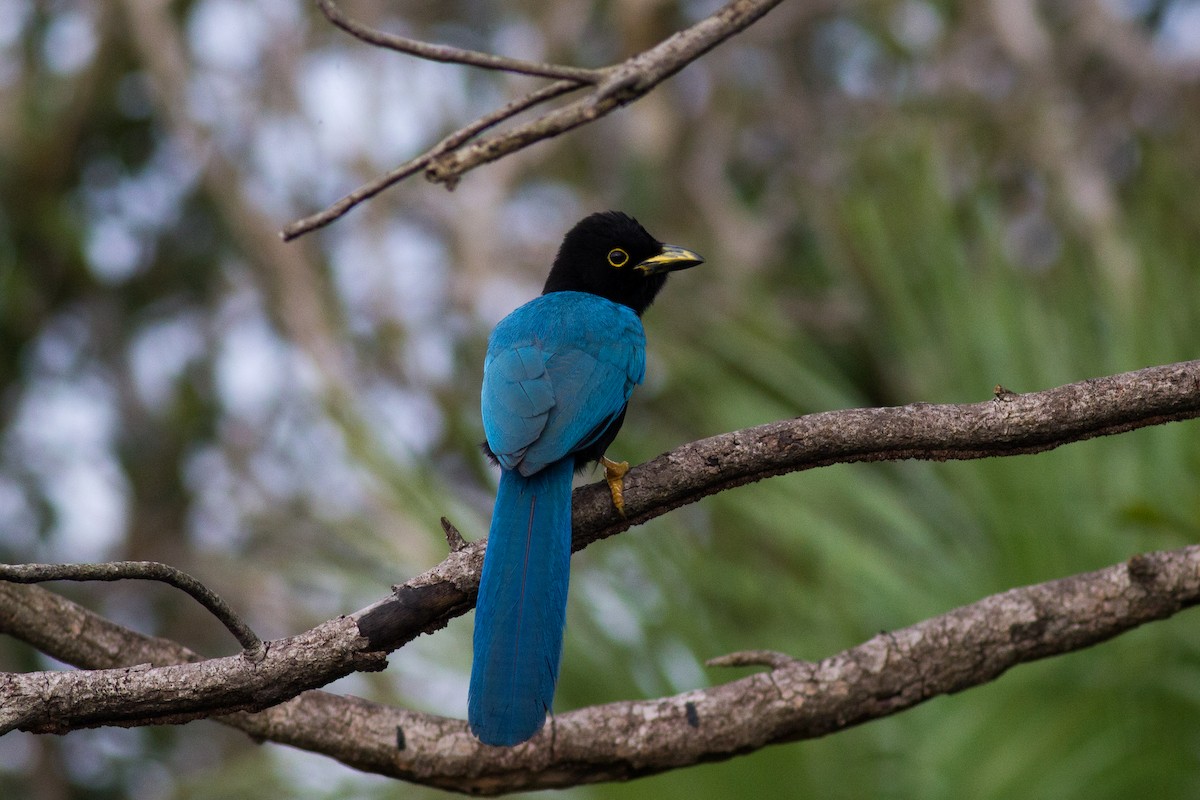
{"points": [[522, 605]]}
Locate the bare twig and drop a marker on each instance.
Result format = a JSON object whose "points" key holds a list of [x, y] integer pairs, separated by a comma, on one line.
{"points": [[456, 139], [453, 537], [614, 86], [751, 658], [145, 571], [455, 55]]}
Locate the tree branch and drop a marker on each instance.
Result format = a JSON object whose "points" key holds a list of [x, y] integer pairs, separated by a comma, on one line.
{"points": [[793, 701], [1008, 424], [614, 86]]}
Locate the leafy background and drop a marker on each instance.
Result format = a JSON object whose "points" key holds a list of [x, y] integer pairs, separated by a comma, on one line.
{"points": [[899, 201]]}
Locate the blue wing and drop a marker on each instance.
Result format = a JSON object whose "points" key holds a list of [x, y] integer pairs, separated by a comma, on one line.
{"points": [[558, 370]]}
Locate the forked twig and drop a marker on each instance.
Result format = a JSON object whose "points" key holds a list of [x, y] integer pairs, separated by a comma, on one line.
{"points": [[611, 87]]}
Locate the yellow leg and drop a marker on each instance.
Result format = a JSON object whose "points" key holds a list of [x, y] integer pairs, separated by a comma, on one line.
{"points": [[614, 473]]}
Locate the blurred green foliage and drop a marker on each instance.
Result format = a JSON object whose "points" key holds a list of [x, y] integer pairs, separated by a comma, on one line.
{"points": [[890, 215]]}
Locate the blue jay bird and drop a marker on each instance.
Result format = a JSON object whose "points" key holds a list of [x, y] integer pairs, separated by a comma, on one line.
{"points": [[558, 375]]}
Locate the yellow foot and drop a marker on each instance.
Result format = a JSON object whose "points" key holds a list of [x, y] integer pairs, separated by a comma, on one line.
{"points": [[614, 473]]}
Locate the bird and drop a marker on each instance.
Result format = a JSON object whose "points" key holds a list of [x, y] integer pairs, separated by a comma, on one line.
{"points": [[557, 378]]}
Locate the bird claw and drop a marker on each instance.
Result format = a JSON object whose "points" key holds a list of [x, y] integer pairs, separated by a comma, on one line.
{"points": [[614, 473]]}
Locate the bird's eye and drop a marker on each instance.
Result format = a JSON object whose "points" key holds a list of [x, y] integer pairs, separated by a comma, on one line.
{"points": [[617, 257]]}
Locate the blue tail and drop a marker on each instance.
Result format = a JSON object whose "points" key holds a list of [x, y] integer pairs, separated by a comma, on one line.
{"points": [[522, 605]]}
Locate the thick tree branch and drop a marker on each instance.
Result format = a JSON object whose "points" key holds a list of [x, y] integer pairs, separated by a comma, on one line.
{"points": [[794, 700], [1009, 424], [1051, 618], [613, 86], [146, 694]]}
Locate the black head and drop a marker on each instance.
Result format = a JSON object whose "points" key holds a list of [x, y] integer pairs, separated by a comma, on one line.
{"points": [[611, 255]]}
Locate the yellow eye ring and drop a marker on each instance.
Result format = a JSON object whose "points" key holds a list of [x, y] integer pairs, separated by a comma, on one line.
{"points": [[617, 257]]}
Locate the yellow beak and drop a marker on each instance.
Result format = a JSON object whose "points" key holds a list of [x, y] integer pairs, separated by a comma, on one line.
{"points": [[670, 259]]}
